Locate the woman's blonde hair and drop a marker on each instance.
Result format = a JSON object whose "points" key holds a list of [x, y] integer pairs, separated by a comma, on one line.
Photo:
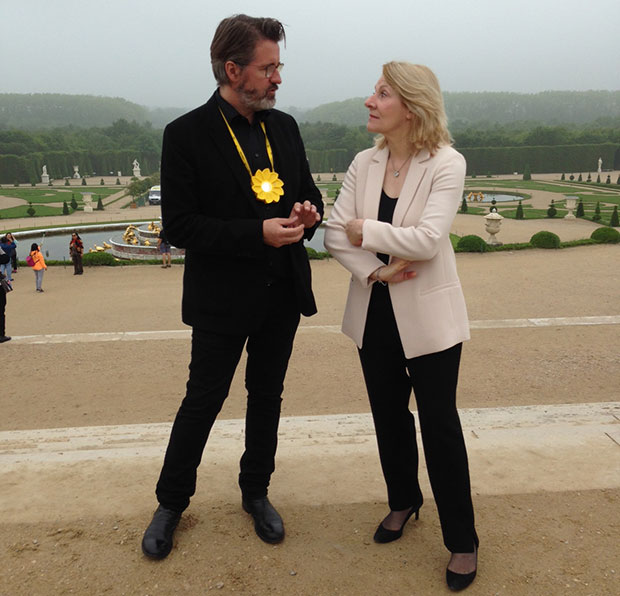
{"points": [[418, 88]]}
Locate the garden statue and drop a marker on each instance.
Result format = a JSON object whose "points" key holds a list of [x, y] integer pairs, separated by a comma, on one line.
{"points": [[600, 165], [45, 176], [136, 168]]}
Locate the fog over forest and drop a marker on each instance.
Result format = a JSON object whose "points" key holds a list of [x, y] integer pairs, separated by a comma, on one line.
{"points": [[43, 111]]}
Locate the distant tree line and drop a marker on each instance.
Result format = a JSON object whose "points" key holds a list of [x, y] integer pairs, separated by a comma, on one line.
{"points": [[495, 149], [523, 135]]}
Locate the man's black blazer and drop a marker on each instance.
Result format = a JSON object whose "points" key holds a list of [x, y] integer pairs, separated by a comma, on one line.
{"points": [[209, 209]]}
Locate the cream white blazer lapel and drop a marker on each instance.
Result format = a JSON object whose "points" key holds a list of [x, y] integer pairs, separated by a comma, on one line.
{"points": [[416, 173], [374, 183]]}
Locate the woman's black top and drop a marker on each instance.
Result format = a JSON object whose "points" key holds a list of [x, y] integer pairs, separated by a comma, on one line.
{"points": [[386, 213]]}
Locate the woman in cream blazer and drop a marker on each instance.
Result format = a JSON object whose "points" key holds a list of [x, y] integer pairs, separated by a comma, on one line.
{"points": [[405, 308]]}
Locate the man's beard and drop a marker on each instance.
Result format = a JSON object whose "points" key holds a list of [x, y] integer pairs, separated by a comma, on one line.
{"points": [[251, 100]]}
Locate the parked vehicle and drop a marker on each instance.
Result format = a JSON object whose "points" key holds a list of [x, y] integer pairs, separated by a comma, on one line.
{"points": [[155, 195]]}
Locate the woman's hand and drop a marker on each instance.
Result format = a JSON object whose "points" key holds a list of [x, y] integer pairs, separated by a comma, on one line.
{"points": [[354, 230], [395, 272]]}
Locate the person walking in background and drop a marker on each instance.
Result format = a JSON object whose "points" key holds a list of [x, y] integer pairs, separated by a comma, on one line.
{"points": [[13, 254], [4, 258], [76, 250], [390, 227], [39, 265], [164, 249], [247, 274], [6, 268]]}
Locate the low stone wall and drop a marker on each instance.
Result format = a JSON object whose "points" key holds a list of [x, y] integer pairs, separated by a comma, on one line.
{"points": [[141, 252]]}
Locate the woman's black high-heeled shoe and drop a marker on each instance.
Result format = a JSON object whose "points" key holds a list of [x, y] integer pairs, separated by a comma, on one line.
{"points": [[383, 535], [459, 581]]}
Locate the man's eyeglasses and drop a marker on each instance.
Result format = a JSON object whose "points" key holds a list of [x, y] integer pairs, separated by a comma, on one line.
{"points": [[269, 69]]}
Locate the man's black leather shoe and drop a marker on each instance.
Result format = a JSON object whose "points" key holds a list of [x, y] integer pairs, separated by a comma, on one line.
{"points": [[157, 541], [267, 521]]}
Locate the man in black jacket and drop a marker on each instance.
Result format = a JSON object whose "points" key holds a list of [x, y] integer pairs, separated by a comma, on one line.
{"points": [[237, 194]]}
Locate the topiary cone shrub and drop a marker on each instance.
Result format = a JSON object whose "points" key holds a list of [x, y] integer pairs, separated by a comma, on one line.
{"points": [[613, 222], [552, 211], [464, 205], [545, 240], [606, 236], [519, 214], [472, 243], [580, 209]]}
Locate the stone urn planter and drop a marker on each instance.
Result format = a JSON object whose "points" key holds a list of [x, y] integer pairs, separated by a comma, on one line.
{"points": [[571, 203], [493, 223]]}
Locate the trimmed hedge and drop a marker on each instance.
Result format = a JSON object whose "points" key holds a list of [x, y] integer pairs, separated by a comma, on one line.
{"points": [[329, 160], [27, 168], [556, 158], [545, 240], [472, 243], [96, 259], [606, 235], [315, 255]]}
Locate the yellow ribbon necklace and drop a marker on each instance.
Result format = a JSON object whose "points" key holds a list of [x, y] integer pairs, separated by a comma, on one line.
{"points": [[266, 184]]}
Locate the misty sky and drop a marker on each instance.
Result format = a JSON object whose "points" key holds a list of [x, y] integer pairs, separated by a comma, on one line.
{"points": [[156, 52]]}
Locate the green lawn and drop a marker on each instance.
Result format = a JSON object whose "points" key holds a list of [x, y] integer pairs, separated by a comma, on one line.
{"points": [[56, 195], [589, 201], [40, 210]]}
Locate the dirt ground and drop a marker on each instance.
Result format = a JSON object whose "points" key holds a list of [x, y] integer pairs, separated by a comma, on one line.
{"points": [[74, 527]]}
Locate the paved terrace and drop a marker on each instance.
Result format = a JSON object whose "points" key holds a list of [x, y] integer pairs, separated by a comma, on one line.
{"points": [[96, 369]]}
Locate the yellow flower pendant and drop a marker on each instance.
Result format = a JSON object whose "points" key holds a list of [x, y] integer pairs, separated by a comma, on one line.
{"points": [[267, 186]]}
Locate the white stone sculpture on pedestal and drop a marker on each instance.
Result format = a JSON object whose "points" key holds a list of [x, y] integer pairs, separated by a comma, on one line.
{"points": [[136, 168], [45, 179], [76, 173], [492, 225], [87, 199]]}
